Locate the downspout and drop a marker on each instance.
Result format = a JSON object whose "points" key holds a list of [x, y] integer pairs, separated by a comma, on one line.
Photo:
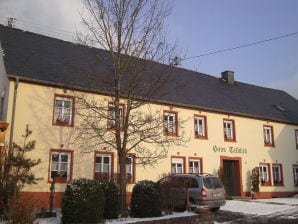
{"points": [[16, 84]]}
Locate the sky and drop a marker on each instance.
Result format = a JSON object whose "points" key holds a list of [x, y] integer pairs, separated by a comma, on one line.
{"points": [[199, 27]]}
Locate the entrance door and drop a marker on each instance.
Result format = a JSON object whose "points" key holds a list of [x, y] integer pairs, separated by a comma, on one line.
{"points": [[231, 174]]}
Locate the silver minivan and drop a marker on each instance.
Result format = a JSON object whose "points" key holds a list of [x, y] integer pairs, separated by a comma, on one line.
{"points": [[180, 191]]}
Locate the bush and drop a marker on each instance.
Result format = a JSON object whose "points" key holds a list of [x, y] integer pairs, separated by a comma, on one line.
{"points": [[22, 209], [83, 202], [111, 193], [145, 201], [255, 179]]}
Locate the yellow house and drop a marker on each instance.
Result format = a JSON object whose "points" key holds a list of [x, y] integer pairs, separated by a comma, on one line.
{"points": [[231, 127]]}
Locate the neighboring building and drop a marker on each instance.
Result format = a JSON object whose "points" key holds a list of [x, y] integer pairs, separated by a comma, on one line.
{"points": [[231, 125]]}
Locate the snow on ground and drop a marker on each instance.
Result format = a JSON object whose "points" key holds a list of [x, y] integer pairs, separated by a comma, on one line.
{"points": [[261, 206]]}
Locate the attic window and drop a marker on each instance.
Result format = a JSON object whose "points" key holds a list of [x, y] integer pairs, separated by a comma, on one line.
{"points": [[280, 107]]}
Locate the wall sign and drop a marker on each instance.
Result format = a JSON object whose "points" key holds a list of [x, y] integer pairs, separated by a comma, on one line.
{"points": [[230, 149]]}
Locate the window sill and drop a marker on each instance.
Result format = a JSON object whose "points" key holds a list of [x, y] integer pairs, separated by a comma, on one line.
{"points": [[63, 125], [229, 140], [60, 180], [269, 145], [201, 137], [279, 185], [171, 134]]}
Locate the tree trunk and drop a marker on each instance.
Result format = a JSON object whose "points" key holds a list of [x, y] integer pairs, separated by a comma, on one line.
{"points": [[122, 184]]}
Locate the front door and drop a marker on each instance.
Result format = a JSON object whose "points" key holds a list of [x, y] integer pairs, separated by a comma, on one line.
{"points": [[231, 178]]}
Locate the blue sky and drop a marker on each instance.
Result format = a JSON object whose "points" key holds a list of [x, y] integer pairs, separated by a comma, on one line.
{"points": [[199, 27]]}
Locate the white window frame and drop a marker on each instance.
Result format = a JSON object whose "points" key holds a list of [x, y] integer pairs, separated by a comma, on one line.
{"points": [[268, 135], [170, 122], [277, 174], [264, 173], [63, 114], [100, 167], [200, 126], [177, 165], [129, 168], [229, 132], [58, 166], [192, 165], [112, 115], [295, 175]]}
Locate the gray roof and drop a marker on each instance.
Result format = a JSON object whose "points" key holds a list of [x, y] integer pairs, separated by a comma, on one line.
{"points": [[45, 60]]}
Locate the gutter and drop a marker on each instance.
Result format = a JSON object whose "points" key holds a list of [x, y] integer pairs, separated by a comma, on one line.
{"points": [[16, 84]]}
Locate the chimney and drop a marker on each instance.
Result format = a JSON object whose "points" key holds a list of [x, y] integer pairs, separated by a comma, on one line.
{"points": [[228, 76]]}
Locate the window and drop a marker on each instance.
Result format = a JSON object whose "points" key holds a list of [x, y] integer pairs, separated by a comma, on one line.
{"points": [[229, 130], [295, 174], [170, 123], [264, 174], [296, 137], [103, 166], [177, 165], [277, 174], [268, 135], [200, 123], [130, 169], [63, 110], [60, 165], [112, 115], [194, 166]]}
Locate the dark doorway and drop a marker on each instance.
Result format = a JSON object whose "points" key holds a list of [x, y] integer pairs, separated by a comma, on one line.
{"points": [[231, 172]]}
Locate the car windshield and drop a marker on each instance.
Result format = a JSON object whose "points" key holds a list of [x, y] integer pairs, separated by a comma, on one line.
{"points": [[212, 182]]}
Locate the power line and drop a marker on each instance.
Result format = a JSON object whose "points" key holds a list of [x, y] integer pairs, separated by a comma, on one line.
{"points": [[240, 46]]}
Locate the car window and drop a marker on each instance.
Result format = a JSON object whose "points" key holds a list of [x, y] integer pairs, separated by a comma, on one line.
{"points": [[212, 182], [194, 183]]}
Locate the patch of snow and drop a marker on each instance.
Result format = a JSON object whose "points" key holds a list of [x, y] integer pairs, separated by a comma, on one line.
{"points": [[260, 207], [134, 220]]}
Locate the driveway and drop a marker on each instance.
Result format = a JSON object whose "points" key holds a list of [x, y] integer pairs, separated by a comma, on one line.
{"points": [[275, 210]]}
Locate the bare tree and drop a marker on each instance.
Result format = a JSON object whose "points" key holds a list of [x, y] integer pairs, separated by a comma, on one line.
{"points": [[131, 32]]}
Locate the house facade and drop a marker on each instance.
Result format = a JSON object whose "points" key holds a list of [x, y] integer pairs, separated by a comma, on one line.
{"points": [[231, 127]]}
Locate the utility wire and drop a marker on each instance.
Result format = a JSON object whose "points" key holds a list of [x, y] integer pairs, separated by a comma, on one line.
{"points": [[240, 46]]}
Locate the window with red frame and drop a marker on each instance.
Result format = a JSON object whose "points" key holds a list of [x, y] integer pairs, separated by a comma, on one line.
{"points": [[63, 110], [130, 169], [200, 123], [60, 165], [194, 166], [229, 130], [277, 174], [177, 165], [170, 123], [265, 174], [268, 135], [103, 166], [112, 115]]}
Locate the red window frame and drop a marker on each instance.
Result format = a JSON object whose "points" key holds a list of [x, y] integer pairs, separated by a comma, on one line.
{"points": [[233, 137], [268, 144], [132, 179], [55, 121], [111, 107], [103, 175], [263, 183], [60, 179], [183, 165], [166, 125], [281, 182], [196, 159], [204, 118]]}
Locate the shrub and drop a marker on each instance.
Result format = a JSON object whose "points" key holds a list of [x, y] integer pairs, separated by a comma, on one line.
{"points": [[255, 179], [145, 201], [83, 202], [111, 193], [22, 209]]}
